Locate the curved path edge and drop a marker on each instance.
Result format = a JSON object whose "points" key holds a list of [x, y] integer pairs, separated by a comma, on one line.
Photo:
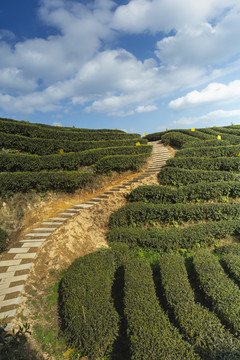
{"points": [[15, 265]]}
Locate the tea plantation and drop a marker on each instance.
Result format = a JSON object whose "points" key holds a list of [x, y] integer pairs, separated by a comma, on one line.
{"points": [[168, 285], [42, 158]]}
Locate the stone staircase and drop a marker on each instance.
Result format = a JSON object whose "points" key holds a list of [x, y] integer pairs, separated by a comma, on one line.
{"points": [[17, 262]]}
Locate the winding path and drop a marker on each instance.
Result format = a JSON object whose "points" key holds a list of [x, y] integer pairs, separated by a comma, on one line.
{"points": [[15, 265]]}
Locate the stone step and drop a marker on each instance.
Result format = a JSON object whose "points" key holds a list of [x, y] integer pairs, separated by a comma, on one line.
{"points": [[104, 196], [109, 192], [91, 202], [19, 267], [7, 275], [58, 219], [67, 214], [32, 244], [10, 262], [49, 223], [14, 301], [13, 279], [32, 240], [114, 189], [11, 290], [98, 199], [18, 250], [25, 256], [44, 229], [39, 234], [7, 314], [73, 210]]}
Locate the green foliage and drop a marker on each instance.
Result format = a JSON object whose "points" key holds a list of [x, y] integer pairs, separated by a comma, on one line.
{"points": [[3, 240], [142, 213], [178, 176], [193, 192], [89, 317], [177, 139], [36, 131], [210, 151], [120, 163], [219, 289], [11, 183], [204, 143], [71, 161], [229, 249], [232, 139], [173, 239], [13, 346], [220, 163], [150, 332], [231, 263], [201, 327], [50, 146]]}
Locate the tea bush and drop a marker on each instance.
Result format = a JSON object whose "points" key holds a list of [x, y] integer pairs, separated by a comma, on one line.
{"points": [[178, 177], [202, 163], [201, 327], [193, 192], [219, 289], [142, 213], [3, 240], [120, 163], [150, 332], [210, 151], [190, 237]]}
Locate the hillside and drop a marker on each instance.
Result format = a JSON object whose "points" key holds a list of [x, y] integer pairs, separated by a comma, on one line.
{"points": [[164, 283]]}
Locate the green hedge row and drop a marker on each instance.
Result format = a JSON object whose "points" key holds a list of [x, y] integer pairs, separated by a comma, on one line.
{"points": [[210, 151], [229, 249], [69, 161], [48, 146], [197, 134], [66, 181], [202, 163], [205, 143], [174, 238], [3, 240], [231, 263], [58, 128], [230, 130], [120, 163], [232, 139], [193, 192], [150, 332], [89, 317], [178, 177], [219, 289], [53, 133], [177, 139], [201, 327], [141, 213]]}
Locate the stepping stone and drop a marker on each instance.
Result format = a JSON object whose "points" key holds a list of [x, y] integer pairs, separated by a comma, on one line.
{"points": [[25, 256], [58, 219], [44, 229], [7, 275], [81, 206], [13, 279], [104, 196], [51, 223], [32, 240], [14, 301], [109, 192], [127, 183], [39, 234], [114, 189], [19, 267], [11, 290], [18, 250], [10, 262], [91, 203], [96, 199], [120, 186], [9, 313], [73, 210], [33, 244], [67, 214]]}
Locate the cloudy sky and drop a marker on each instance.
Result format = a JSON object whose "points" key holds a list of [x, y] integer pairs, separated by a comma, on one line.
{"points": [[137, 65]]}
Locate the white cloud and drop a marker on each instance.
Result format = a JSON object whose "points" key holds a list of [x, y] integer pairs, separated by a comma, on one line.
{"points": [[213, 94], [148, 108], [210, 117], [77, 66], [154, 15]]}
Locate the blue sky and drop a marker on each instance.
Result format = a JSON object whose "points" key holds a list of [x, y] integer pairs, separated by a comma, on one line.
{"points": [[138, 65]]}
